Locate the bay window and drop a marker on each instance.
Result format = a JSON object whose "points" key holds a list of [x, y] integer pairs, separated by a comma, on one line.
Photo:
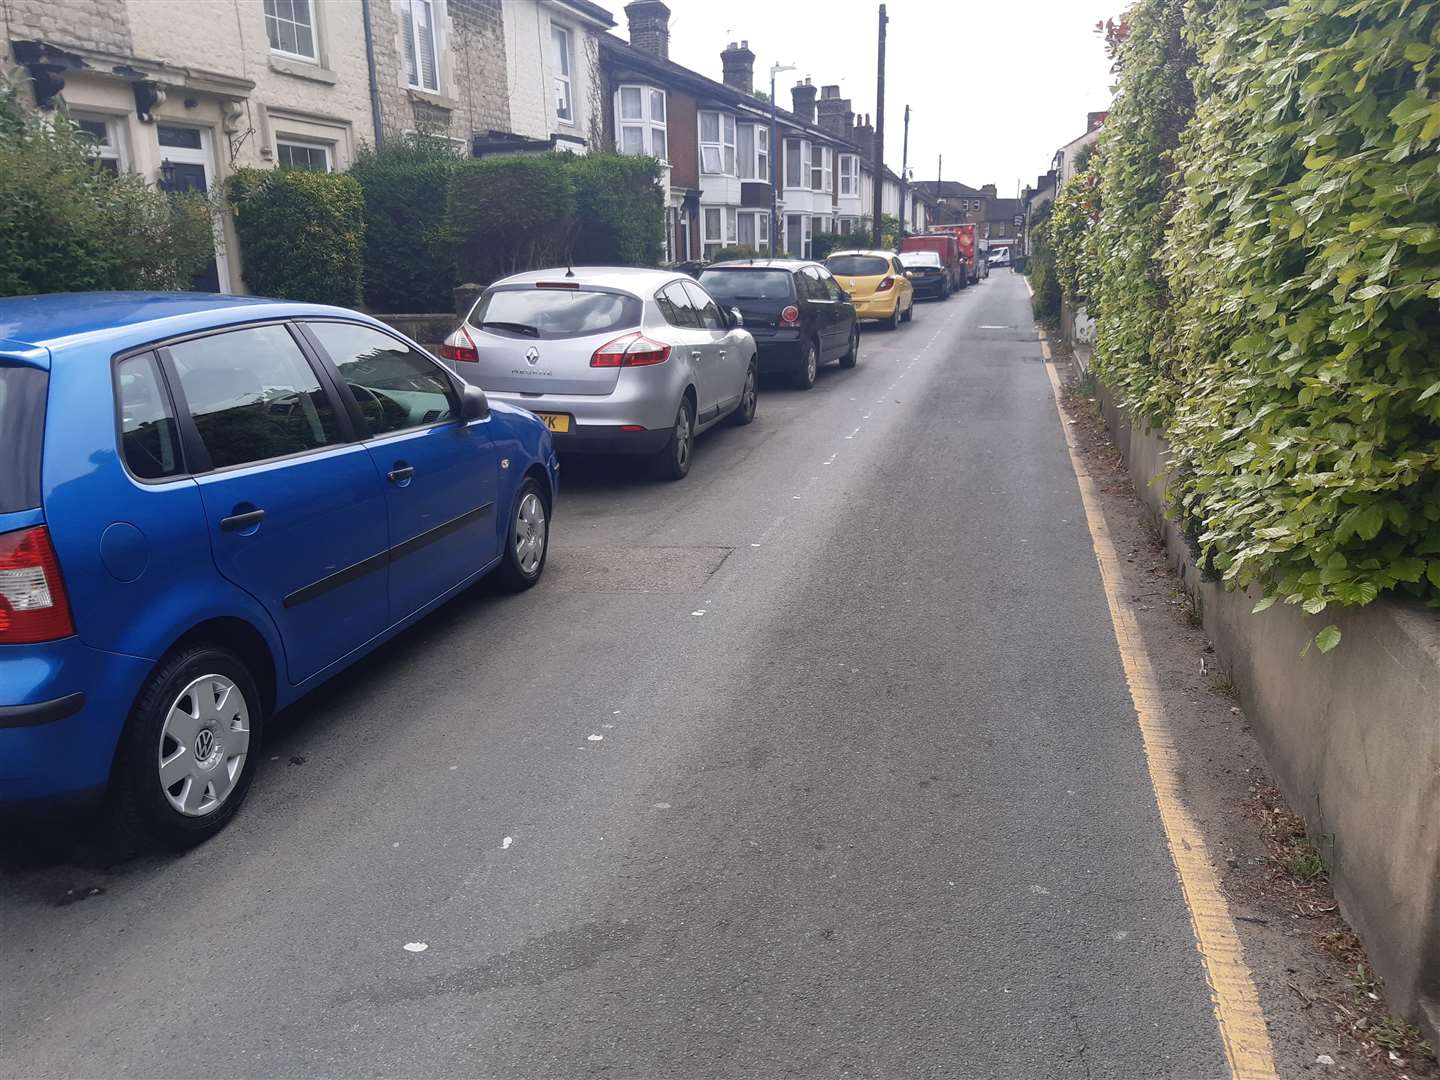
{"points": [[717, 143], [640, 127], [753, 151], [822, 160], [849, 174], [797, 163], [754, 230]]}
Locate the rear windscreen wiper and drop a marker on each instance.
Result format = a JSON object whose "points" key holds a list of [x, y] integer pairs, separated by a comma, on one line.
{"points": [[513, 327]]}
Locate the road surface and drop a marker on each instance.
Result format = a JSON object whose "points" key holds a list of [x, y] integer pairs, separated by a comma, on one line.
{"points": [[818, 763]]}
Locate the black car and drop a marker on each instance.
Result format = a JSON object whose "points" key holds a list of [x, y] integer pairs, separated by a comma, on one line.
{"points": [[926, 273], [795, 310]]}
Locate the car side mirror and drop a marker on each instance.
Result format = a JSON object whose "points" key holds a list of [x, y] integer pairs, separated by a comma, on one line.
{"points": [[736, 319], [844, 295], [910, 274], [474, 405]]}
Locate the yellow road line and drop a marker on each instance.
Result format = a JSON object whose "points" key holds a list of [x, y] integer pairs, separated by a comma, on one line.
{"points": [[1237, 1005]]}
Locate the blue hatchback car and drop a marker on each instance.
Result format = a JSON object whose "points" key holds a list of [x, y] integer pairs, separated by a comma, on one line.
{"points": [[209, 506]]}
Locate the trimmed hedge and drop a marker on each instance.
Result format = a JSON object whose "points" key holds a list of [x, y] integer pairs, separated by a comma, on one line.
{"points": [[508, 214], [66, 225], [409, 262], [1291, 348], [302, 233]]}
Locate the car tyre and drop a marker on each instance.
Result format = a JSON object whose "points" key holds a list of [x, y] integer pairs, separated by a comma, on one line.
{"points": [[527, 539], [851, 358], [910, 311], [204, 698], [749, 398], [892, 322], [809, 369], [673, 462]]}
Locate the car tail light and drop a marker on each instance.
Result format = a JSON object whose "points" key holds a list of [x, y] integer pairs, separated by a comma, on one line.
{"points": [[630, 350], [790, 316], [463, 348], [33, 604], [885, 285]]}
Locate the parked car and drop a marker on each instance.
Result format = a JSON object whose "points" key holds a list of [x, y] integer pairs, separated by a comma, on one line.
{"points": [[211, 505], [927, 274], [612, 360], [798, 314], [947, 248], [876, 284]]}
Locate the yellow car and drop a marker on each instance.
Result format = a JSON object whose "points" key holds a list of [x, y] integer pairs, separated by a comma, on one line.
{"points": [[876, 283]]}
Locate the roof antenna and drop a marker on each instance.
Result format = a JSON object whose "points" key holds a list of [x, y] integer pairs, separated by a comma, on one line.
{"points": [[569, 270]]}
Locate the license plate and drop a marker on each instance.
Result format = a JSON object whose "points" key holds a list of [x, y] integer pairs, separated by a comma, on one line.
{"points": [[555, 421]]}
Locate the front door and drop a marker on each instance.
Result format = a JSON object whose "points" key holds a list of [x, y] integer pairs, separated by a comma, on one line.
{"points": [[296, 514], [186, 166], [440, 474]]}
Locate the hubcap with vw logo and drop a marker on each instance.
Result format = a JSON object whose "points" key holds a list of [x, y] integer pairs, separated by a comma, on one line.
{"points": [[203, 745]]}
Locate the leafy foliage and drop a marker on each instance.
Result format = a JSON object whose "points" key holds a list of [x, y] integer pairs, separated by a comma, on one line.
{"points": [[66, 225], [1072, 220], [409, 264], [1138, 189], [1041, 269], [619, 210], [508, 214], [302, 233], [1291, 346], [823, 245]]}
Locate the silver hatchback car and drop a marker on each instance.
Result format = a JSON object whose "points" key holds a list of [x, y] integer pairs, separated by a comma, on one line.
{"points": [[612, 359]]}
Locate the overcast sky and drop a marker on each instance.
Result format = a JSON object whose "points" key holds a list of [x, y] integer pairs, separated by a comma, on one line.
{"points": [[1035, 68]]}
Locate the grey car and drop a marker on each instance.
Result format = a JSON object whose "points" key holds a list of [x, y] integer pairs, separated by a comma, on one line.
{"points": [[612, 359]]}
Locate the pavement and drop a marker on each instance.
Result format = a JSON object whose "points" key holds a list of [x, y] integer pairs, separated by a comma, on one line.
{"points": [[818, 763]]}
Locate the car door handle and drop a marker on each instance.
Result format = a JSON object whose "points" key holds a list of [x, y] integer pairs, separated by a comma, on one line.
{"points": [[236, 522], [722, 354], [697, 354], [400, 473]]}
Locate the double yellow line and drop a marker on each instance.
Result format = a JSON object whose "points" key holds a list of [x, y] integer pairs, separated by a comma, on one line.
{"points": [[1232, 989]]}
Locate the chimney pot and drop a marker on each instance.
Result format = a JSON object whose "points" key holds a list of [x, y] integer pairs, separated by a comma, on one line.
{"points": [[802, 96]]}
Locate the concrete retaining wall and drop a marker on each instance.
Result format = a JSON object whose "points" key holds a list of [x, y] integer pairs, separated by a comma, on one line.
{"points": [[1353, 739]]}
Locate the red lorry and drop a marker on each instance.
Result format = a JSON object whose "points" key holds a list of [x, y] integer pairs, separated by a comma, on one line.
{"points": [[969, 253], [947, 247]]}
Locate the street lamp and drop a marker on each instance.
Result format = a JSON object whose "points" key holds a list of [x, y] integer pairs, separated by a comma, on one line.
{"points": [[775, 156]]}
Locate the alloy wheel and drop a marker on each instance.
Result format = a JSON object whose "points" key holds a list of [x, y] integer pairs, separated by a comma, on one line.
{"points": [[682, 438], [530, 534], [203, 745]]}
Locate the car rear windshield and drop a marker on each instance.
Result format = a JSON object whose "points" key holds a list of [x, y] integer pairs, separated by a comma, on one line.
{"points": [[550, 313], [22, 433], [727, 286], [858, 266], [919, 258]]}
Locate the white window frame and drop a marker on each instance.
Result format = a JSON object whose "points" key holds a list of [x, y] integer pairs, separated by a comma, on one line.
{"points": [[849, 174], [436, 11], [113, 149], [309, 25], [803, 157], [822, 165], [710, 239], [305, 144], [723, 149], [759, 229], [756, 164], [650, 122], [562, 40]]}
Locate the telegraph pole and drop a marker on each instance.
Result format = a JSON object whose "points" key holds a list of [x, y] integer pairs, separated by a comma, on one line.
{"points": [[880, 132], [905, 178]]}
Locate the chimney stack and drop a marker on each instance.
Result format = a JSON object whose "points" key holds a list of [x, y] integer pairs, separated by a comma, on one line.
{"points": [[863, 136], [833, 113], [988, 189], [739, 64], [649, 27], [803, 97]]}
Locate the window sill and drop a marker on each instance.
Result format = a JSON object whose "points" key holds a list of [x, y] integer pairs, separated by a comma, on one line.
{"points": [[430, 98], [301, 70]]}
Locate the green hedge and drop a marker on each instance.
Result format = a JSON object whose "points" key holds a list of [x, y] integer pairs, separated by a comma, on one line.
{"points": [[1291, 347], [409, 262], [68, 226], [1044, 280], [619, 210], [508, 214], [302, 233]]}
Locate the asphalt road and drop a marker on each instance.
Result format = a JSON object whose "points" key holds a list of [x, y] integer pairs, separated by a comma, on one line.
{"points": [[818, 763]]}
